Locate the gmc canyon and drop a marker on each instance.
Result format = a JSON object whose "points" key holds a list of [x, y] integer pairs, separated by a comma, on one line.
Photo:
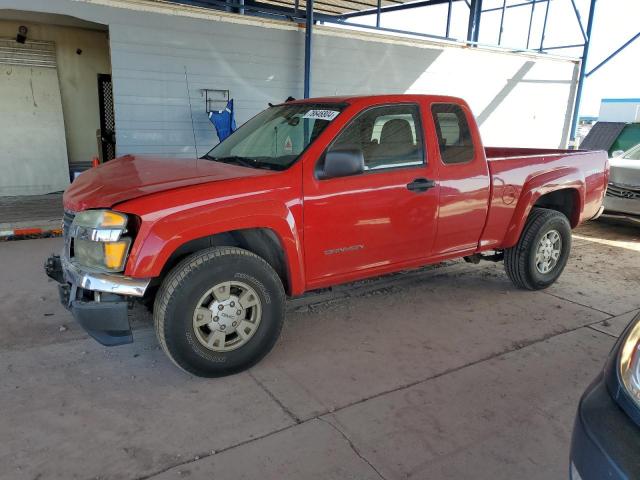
{"points": [[305, 195]]}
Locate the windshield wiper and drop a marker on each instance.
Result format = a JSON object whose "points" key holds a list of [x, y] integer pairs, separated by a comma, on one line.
{"points": [[242, 161]]}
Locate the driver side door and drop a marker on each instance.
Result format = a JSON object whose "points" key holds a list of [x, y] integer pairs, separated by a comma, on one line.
{"points": [[360, 225]]}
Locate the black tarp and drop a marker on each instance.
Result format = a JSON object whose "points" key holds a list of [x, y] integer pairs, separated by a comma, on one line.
{"points": [[602, 136]]}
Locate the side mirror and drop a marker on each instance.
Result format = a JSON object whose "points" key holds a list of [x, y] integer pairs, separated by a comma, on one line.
{"points": [[618, 153], [342, 163]]}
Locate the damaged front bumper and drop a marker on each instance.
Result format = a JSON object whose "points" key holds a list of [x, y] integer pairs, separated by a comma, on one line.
{"points": [[98, 301]]}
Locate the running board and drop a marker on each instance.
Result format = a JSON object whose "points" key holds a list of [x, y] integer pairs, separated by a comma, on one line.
{"points": [[477, 257]]}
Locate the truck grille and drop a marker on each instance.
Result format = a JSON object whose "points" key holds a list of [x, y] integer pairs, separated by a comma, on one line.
{"points": [[622, 192]]}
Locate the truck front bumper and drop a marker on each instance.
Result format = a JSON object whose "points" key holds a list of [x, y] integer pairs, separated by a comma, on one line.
{"points": [[99, 302], [628, 208]]}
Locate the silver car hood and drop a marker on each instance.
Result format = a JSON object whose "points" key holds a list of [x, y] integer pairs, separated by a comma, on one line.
{"points": [[625, 172]]}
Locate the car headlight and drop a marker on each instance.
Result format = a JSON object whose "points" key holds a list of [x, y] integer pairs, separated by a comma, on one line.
{"points": [[629, 363], [98, 241], [104, 220]]}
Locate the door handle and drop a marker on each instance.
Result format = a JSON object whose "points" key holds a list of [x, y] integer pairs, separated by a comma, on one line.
{"points": [[421, 185]]}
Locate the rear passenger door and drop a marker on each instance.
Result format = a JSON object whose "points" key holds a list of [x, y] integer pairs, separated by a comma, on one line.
{"points": [[386, 215], [464, 180]]}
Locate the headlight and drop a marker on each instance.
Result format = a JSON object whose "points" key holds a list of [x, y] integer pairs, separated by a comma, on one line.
{"points": [[104, 220], [98, 241], [629, 363]]}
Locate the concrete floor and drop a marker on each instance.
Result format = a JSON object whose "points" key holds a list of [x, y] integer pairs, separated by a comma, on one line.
{"points": [[445, 373]]}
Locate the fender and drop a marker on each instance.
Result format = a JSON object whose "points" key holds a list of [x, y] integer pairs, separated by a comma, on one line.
{"points": [[164, 230], [537, 186]]}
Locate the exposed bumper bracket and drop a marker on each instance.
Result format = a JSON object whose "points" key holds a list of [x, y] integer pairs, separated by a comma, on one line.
{"points": [[103, 282], [107, 320]]}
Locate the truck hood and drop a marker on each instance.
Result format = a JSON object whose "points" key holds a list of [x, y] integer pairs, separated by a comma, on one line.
{"points": [[130, 177], [625, 172]]}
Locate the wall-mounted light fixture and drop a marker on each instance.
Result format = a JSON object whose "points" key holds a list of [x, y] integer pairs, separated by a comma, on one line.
{"points": [[21, 37]]}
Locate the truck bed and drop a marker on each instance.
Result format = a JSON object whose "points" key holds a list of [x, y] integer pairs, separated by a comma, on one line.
{"points": [[502, 153], [536, 171]]}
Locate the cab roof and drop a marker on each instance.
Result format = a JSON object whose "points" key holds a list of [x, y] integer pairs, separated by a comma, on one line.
{"points": [[379, 98]]}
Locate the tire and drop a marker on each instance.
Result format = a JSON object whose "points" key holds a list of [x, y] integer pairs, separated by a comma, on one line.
{"points": [[520, 261], [203, 350]]}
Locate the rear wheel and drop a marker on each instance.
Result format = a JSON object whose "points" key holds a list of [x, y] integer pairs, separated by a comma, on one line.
{"points": [[219, 311], [541, 254]]}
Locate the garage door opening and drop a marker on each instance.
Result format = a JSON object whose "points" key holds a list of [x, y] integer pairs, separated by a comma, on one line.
{"points": [[54, 100]]}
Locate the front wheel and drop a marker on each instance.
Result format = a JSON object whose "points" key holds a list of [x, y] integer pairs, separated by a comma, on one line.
{"points": [[219, 311], [541, 254]]}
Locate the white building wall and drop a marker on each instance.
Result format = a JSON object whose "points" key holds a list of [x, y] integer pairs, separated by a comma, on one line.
{"points": [[161, 60], [519, 99], [159, 73]]}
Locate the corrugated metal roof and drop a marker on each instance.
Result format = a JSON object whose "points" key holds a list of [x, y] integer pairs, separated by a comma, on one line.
{"points": [[327, 7], [602, 135], [334, 7]]}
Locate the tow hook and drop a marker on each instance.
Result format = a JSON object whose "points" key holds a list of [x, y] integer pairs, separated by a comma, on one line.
{"points": [[53, 268]]}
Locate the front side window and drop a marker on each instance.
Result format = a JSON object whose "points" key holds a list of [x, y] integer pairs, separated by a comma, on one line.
{"points": [[276, 137], [454, 135], [389, 137]]}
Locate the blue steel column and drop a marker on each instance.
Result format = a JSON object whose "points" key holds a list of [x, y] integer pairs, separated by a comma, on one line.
{"points": [[583, 71], [475, 11], [308, 32]]}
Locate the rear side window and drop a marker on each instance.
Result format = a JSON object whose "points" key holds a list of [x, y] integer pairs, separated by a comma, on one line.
{"points": [[454, 135]]}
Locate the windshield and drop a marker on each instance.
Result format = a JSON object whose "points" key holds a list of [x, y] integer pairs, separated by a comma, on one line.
{"points": [[276, 137], [633, 154]]}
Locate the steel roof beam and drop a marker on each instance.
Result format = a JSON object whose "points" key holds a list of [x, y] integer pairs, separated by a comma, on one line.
{"points": [[504, 8], [606, 60], [513, 5], [395, 8], [544, 26], [560, 47], [384, 29], [585, 35], [449, 10], [256, 9], [533, 11]]}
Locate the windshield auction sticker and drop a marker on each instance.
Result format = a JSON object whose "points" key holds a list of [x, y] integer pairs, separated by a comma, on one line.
{"points": [[288, 145], [321, 114]]}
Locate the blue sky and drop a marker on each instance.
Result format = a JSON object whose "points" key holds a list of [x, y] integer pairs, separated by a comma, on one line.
{"points": [[615, 22]]}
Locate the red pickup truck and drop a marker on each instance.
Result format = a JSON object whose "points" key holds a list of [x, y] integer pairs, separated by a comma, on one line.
{"points": [[305, 195]]}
